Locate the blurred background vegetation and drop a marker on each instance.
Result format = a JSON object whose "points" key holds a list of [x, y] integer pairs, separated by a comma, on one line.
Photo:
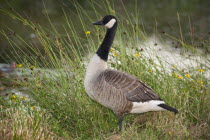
{"points": [[155, 16]]}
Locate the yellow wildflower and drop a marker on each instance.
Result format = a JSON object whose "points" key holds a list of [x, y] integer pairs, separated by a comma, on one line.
{"points": [[14, 97], [38, 85], [26, 84], [174, 66], [200, 82], [24, 98], [175, 74], [134, 63], [187, 75], [87, 32], [112, 50], [115, 54], [32, 67], [200, 70], [179, 77], [169, 132], [150, 70], [137, 55], [33, 107], [19, 65]]}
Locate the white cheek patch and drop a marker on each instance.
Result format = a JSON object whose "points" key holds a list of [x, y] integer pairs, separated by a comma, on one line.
{"points": [[110, 23]]}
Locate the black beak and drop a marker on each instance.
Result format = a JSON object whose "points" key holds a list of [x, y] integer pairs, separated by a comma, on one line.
{"points": [[98, 23]]}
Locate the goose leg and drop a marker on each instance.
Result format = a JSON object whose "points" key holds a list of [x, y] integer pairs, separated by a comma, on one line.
{"points": [[120, 119]]}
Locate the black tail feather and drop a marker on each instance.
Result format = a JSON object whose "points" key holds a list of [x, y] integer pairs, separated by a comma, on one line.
{"points": [[168, 108]]}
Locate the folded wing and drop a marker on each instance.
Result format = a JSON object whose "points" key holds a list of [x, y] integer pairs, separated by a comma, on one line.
{"points": [[129, 85]]}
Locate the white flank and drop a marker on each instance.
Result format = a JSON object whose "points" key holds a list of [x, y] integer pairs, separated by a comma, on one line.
{"points": [[110, 23], [141, 107]]}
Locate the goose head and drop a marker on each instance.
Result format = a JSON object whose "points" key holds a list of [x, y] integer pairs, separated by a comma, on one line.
{"points": [[108, 21]]}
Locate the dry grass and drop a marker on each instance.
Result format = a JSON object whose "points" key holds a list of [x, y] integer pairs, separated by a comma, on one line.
{"points": [[16, 123]]}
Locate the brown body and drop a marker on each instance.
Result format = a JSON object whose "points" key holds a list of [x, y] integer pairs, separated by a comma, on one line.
{"points": [[117, 91]]}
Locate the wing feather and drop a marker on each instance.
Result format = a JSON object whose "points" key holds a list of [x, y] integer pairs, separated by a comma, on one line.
{"points": [[129, 85]]}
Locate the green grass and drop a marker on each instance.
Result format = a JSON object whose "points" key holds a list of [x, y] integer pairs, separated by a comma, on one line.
{"points": [[61, 109]]}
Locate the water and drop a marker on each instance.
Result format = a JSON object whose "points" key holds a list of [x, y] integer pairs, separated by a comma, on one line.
{"points": [[154, 16], [174, 57]]}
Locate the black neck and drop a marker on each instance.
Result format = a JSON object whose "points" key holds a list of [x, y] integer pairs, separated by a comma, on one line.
{"points": [[103, 50]]}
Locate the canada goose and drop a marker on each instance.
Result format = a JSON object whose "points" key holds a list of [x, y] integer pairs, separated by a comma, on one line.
{"points": [[117, 90]]}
